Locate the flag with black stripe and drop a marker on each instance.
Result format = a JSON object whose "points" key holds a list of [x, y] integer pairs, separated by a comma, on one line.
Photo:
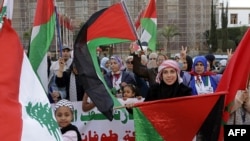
{"points": [[107, 26]]}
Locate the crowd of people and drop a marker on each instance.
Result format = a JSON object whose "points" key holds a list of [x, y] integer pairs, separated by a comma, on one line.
{"points": [[151, 76]]}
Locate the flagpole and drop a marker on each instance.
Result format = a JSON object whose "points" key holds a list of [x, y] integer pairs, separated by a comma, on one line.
{"points": [[68, 33], [58, 33], [130, 21], [71, 33], [56, 43], [119, 107], [63, 30]]}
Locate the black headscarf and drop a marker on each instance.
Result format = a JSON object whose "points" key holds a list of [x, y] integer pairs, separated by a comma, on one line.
{"points": [[210, 58], [164, 91], [189, 63]]}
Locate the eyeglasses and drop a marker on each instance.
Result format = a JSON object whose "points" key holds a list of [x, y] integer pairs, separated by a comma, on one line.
{"points": [[152, 58]]}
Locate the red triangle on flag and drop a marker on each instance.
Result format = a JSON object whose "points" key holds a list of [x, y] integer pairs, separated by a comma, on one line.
{"points": [[179, 118], [110, 23], [238, 64], [150, 10]]}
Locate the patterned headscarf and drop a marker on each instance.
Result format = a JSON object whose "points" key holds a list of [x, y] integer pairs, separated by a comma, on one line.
{"points": [[64, 102], [119, 61], [168, 64]]}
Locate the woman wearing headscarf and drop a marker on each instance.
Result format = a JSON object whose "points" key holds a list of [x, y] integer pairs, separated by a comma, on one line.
{"points": [[211, 59], [203, 81], [185, 64], [117, 77], [104, 64], [169, 83], [186, 68]]}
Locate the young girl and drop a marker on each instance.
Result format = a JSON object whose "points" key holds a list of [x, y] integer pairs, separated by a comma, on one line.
{"points": [[130, 91], [64, 115]]}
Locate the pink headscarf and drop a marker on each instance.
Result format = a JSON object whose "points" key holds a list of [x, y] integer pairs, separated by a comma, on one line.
{"points": [[168, 64]]}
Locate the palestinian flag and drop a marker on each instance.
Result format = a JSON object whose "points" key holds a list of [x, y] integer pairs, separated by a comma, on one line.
{"points": [[108, 26], [138, 19], [41, 37], [231, 81], [177, 119], [26, 113], [149, 25]]}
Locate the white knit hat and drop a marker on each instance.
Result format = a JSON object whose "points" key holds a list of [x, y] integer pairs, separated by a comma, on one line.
{"points": [[64, 102]]}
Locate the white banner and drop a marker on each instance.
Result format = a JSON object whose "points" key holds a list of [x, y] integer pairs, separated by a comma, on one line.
{"points": [[94, 126]]}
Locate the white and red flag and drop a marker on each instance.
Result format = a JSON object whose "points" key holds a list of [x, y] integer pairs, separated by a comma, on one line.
{"points": [[26, 114]]}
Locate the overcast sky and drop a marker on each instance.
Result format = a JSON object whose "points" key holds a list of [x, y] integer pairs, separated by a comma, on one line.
{"points": [[241, 3]]}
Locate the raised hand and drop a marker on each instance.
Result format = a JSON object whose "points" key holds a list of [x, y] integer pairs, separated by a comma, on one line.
{"points": [[131, 48], [183, 52], [229, 54]]}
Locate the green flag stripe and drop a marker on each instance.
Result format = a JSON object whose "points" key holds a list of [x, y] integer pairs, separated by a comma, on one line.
{"points": [[150, 26], [144, 130], [41, 43], [92, 45]]}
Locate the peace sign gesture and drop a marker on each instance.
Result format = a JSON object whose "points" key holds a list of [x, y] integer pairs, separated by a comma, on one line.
{"points": [[183, 52], [229, 54]]}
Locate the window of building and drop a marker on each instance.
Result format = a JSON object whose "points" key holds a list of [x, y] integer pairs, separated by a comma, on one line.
{"points": [[234, 19]]}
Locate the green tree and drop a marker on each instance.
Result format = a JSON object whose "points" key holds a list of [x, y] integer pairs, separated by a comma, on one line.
{"points": [[169, 32], [224, 31], [213, 43]]}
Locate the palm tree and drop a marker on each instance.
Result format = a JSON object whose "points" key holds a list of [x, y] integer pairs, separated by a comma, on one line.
{"points": [[169, 32]]}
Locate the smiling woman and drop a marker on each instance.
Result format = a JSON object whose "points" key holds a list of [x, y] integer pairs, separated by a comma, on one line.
{"points": [[169, 83]]}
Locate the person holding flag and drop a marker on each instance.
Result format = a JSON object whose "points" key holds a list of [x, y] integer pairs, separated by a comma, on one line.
{"points": [[56, 93], [142, 71], [240, 113], [168, 83]]}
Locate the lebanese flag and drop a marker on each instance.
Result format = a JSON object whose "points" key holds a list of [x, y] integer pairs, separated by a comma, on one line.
{"points": [[6, 10], [235, 76], [26, 113], [41, 38], [107, 26], [149, 25], [176, 119]]}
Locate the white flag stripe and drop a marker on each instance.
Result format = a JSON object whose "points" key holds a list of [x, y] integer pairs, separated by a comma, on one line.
{"points": [[35, 31], [42, 73], [9, 10], [32, 91]]}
